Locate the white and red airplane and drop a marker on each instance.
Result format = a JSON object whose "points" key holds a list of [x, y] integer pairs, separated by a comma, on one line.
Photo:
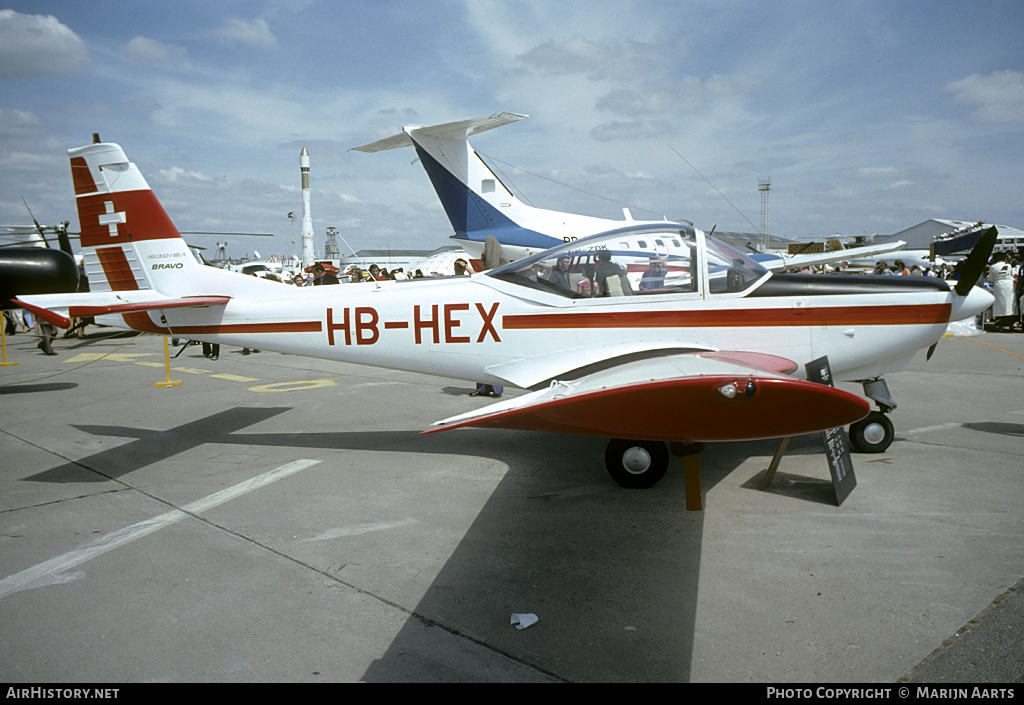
{"points": [[709, 346]]}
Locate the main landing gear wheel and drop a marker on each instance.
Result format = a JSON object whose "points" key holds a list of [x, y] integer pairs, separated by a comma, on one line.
{"points": [[872, 434], [636, 464]]}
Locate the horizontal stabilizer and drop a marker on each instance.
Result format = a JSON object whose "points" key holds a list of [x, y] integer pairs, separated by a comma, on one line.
{"points": [[81, 311], [59, 308], [700, 398], [462, 128]]}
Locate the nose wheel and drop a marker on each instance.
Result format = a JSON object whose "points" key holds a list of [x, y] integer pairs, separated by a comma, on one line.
{"points": [[636, 464], [872, 434]]}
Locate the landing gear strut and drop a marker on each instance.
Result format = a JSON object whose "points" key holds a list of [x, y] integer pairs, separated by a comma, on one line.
{"points": [[874, 433]]}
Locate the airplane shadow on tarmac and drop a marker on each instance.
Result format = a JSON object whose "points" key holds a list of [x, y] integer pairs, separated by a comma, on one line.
{"points": [[38, 388], [613, 574]]}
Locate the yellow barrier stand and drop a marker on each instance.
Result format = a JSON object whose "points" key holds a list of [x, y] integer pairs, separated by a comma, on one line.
{"points": [[167, 365], [3, 343]]}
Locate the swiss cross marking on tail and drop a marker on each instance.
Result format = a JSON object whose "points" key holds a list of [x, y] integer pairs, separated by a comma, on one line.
{"points": [[111, 218]]}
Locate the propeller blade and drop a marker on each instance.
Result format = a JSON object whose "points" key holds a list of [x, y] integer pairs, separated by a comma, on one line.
{"points": [[39, 228], [931, 350], [972, 267]]}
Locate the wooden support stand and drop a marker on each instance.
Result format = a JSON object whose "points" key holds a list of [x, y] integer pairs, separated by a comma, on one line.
{"points": [[691, 468], [769, 475], [837, 450]]}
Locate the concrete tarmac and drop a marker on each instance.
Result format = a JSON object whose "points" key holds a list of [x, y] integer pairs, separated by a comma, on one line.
{"points": [[281, 519]]}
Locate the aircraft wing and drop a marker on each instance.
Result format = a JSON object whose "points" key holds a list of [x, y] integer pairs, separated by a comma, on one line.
{"points": [[701, 397], [819, 258], [58, 308]]}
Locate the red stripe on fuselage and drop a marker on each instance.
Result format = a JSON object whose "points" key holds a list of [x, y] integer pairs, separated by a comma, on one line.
{"points": [[227, 329], [919, 314]]}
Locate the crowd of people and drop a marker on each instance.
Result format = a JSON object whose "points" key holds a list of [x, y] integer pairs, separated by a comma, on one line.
{"points": [[321, 274], [960, 231], [1005, 276], [941, 270]]}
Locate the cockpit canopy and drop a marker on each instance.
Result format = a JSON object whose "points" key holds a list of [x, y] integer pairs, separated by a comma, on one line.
{"points": [[636, 261]]}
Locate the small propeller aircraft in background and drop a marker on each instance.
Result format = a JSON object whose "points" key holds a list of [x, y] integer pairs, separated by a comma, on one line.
{"points": [[479, 204], [704, 344]]}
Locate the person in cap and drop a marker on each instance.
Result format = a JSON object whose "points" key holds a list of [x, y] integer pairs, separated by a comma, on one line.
{"points": [[654, 277]]}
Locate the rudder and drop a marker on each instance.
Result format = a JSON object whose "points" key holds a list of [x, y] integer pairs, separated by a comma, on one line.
{"points": [[128, 241]]}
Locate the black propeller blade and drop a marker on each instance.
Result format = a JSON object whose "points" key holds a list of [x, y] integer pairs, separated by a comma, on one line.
{"points": [[972, 267], [39, 228]]}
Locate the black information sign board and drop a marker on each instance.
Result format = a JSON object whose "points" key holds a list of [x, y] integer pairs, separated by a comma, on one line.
{"points": [[837, 449]]}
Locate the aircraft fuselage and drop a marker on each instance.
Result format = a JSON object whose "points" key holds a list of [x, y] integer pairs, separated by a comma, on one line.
{"points": [[475, 328]]}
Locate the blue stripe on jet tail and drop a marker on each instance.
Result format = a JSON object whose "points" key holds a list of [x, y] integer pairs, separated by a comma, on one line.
{"points": [[471, 216], [462, 208]]}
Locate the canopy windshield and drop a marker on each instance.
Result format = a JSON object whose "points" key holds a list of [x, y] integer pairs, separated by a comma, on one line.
{"points": [[633, 262]]}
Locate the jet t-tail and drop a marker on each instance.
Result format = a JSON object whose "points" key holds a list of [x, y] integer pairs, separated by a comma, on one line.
{"points": [[649, 334]]}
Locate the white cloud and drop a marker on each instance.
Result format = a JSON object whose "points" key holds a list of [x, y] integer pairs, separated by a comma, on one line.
{"points": [[999, 97], [873, 171], [151, 51], [634, 129], [176, 173], [686, 94], [576, 55], [255, 33], [38, 45], [902, 183], [17, 123]]}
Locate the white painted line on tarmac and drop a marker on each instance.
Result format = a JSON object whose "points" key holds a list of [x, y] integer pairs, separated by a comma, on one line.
{"points": [[48, 572], [360, 529], [928, 429]]}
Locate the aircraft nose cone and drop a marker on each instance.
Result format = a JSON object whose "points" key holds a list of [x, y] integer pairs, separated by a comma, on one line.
{"points": [[976, 301]]}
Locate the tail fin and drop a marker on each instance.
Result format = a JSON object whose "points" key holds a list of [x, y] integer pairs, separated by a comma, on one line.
{"points": [[476, 201], [128, 241]]}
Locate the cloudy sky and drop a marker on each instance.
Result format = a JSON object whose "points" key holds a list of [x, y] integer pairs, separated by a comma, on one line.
{"points": [[867, 116]]}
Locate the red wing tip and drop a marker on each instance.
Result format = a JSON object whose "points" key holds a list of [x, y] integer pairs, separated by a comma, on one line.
{"points": [[46, 314]]}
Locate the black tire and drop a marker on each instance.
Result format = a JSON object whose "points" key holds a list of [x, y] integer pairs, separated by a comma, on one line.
{"points": [[872, 434], [636, 465]]}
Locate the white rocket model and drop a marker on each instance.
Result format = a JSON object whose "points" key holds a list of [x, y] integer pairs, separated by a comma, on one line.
{"points": [[308, 256]]}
